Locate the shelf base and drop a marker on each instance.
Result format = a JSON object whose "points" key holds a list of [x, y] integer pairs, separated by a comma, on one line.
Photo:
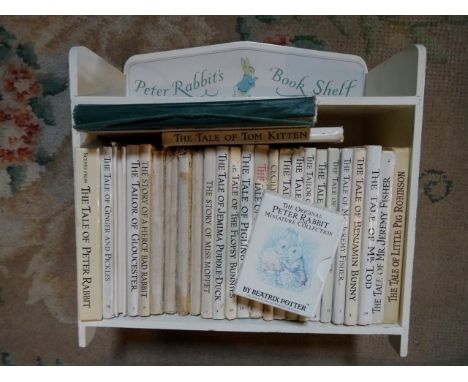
{"points": [[175, 322]]}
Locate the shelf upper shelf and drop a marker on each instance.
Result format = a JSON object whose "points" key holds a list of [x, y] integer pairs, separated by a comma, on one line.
{"points": [[321, 101]]}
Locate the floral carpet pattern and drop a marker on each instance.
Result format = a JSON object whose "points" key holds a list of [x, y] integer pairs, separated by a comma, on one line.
{"points": [[37, 261], [25, 110]]}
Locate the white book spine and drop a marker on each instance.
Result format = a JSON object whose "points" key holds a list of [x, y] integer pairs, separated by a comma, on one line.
{"points": [[233, 241], [309, 176], [222, 177], [326, 134], [133, 228], [145, 229], [209, 192], [284, 188], [297, 189], [115, 230], [183, 232], [369, 227], [158, 233], [246, 215], [355, 236], [344, 202], [107, 237], [273, 167], [260, 185], [310, 154], [383, 228], [170, 243], [196, 235], [321, 172], [122, 226], [298, 173], [333, 178], [285, 172]]}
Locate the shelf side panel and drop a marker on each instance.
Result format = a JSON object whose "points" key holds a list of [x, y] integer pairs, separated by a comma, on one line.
{"points": [[92, 75], [401, 75], [407, 269], [85, 335]]}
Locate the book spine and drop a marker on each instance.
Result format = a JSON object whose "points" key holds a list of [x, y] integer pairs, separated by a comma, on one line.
{"points": [[397, 236], [115, 230], [237, 136], [298, 173], [196, 234], [183, 232], [284, 188], [246, 216], [260, 185], [232, 268], [369, 228], [383, 227], [310, 154], [145, 229], [209, 182], [321, 172], [298, 190], [276, 135], [170, 243], [344, 201], [122, 226], [219, 286], [355, 236], [326, 134], [309, 175], [107, 237], [133, 228], [88, 234], [285, 172], [273, 167], [158, 232], [333, 179], [170, 116]]}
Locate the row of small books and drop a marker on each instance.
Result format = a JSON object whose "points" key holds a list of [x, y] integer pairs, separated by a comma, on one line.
{"points": [[166, 230]]}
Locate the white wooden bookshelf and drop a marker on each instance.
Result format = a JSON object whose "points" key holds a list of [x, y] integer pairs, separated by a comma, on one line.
{"points": [[390, 114]]}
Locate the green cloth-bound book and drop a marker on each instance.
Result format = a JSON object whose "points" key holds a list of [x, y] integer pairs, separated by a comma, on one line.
{"points": [[297, 111]]}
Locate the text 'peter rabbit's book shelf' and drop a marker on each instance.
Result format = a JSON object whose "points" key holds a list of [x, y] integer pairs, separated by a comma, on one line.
{"points": [[382, 107]]}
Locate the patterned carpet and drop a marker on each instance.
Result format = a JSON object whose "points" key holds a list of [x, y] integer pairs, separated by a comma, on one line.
{"points": [[37, 260]]}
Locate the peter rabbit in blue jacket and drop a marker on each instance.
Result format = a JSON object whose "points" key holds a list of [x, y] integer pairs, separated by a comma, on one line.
{"points": [[248, 80]]}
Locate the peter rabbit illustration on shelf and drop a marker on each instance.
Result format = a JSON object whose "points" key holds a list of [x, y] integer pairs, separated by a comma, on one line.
{"points": [[283, 262], [244, 86]]}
